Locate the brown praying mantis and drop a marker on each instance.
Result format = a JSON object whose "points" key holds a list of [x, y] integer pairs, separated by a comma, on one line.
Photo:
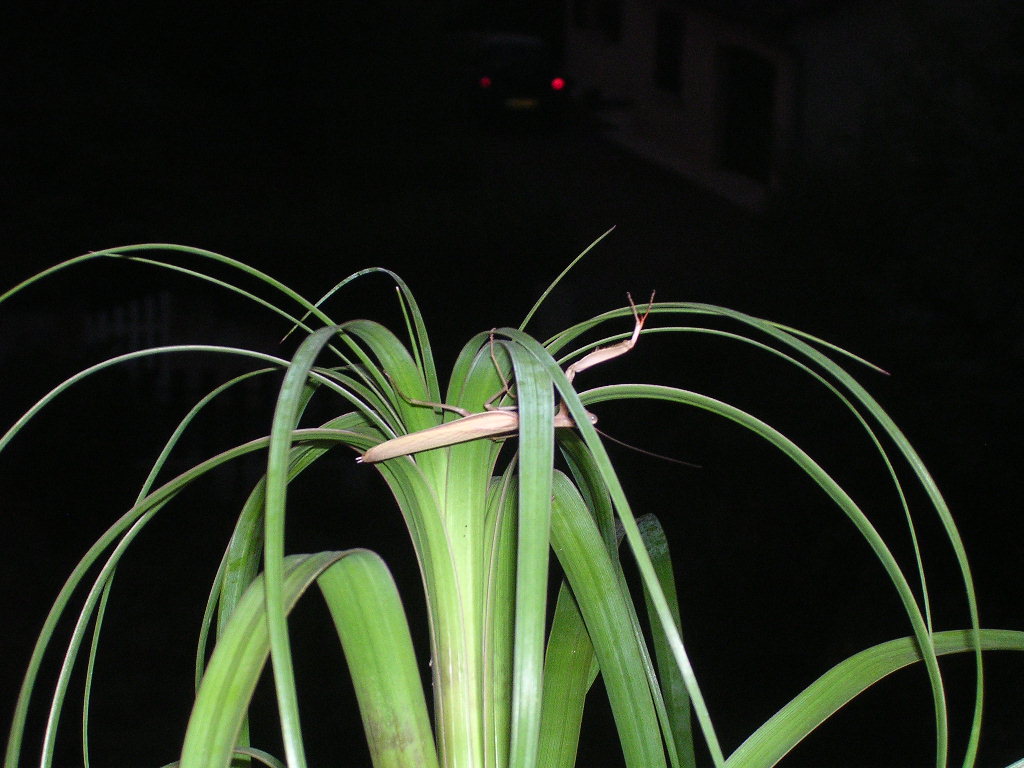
{"points": [[497, 421]]}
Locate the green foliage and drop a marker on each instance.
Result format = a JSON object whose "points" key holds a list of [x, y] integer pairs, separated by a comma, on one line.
{"points": [[509, 688]]}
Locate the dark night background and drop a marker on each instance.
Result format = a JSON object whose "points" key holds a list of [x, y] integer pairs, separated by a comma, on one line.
{"points": [[315, 140]]}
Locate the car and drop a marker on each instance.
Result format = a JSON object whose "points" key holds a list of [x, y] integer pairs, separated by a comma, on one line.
{"points": [[513, 74]]}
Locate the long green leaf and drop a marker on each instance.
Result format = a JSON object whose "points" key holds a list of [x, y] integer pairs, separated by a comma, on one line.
{"points": [[536, 453], [130, 253], [152, 502], [570, 669], [927, 483], [147, 486], [837, 687], [499, 619], [647, 572], [234, 669], [606, 610], [281, 434], [677, 702], [370, 621], [834, 491], [558, 279]]}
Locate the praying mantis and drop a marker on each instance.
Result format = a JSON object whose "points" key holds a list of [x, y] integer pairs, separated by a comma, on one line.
{"points": [[498, 421]]}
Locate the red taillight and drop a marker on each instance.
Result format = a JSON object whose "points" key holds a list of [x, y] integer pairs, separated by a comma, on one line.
{"points": [[557, 84], [485, 82]]}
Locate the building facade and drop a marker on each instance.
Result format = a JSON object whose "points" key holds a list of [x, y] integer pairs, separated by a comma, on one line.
{"points": [[734, 93]]}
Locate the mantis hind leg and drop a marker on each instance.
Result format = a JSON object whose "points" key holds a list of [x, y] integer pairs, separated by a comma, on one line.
{"points": [[427, 403], [506, 386]]}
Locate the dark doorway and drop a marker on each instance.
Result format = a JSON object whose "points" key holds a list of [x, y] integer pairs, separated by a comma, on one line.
{"points": [[746, 86], [668, 51]]}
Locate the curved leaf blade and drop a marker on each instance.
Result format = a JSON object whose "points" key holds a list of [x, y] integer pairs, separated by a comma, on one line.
{"points": [[605, 608], [371, 624], [222, 701], [826, 695]]}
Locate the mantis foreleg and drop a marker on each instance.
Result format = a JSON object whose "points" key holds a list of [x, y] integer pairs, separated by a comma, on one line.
{"points": [[615, 350], [496, 421]]}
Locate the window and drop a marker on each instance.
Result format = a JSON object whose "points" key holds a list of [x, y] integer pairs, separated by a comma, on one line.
{"points": [[668, 51], [746, 90], [602, 15], [582, 13], [609, 19]]}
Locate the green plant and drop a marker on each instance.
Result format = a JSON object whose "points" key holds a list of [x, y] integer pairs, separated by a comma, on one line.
{"points": [[509, 683]]}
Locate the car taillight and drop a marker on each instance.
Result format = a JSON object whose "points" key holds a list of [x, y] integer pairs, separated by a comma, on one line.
{"points": [[485, 82], [557, 84]]}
